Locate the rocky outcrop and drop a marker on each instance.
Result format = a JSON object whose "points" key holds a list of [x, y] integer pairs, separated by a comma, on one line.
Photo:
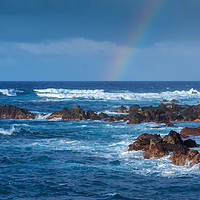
{"points": [[76, 113], [122, 109], [136, 114], [164, 113], [164, 101], [92, 115], [157, 147], [174, 101], [103, 115], [186, 132], [14, 112]]}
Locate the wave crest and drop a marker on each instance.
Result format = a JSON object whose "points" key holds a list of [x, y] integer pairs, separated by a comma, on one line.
{"points": [[102, 95], [9, 92], [9, 131]]}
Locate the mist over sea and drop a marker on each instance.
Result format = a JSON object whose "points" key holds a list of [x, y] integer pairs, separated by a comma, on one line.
{"points": [[54, 159]]}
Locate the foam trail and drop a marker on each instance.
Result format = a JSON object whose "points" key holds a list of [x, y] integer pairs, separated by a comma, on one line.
{"points": [[41, 116], [102, 95], [9, 92]]}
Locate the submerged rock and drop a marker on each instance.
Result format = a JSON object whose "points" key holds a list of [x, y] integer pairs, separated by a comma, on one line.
{"points": [[186, 132], [14, 112]]}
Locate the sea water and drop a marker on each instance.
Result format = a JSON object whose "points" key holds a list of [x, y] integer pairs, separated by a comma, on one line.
{"points": [[54, 159]]}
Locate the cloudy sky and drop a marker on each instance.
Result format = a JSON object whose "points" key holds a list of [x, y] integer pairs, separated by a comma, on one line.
{"points": [[102, 40]]}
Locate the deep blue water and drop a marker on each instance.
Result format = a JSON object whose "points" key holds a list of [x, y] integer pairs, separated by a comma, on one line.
{"points": [[54, 159]]}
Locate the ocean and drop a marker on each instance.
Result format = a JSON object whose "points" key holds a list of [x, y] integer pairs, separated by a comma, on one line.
{"points": [[54, 159]]}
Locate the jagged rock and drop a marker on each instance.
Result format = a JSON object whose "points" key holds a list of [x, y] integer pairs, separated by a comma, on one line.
{"points": [[186, 132], [14, 112], [164, 101], [154, 140], [122, 109], [92, 115], [112, 110], [178, 158], [75, 113], [190, 143], [173, 138], [157, 151], [191, 154], [157, 147], [103, 115], [144, 136], [174, 101], [133, 109], [59, 114], [196, 160]]}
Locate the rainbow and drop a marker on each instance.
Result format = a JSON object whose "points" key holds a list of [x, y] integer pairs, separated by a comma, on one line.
{"points": [[124, 58]]}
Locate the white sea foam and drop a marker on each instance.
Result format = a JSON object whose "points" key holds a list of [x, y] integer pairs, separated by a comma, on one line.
{"points": [[8, 131], [9, 92], [41, 116], [102, 95]]}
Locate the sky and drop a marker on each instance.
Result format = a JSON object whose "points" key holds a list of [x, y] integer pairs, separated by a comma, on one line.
{"points": [[99, 40]]}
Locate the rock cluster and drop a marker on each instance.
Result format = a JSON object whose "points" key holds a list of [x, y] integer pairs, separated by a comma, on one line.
{"points": [[163, 113], [136, 114], [14, 112], [76, 113], [157, 147]]}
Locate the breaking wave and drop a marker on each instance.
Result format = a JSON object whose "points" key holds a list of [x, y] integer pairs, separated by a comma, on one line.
{"points": [[10, 92], [102, 95], [9, 131]]}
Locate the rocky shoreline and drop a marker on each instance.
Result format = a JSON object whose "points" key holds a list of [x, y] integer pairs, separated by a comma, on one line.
{"points": [[152, 145], [164, 113]]}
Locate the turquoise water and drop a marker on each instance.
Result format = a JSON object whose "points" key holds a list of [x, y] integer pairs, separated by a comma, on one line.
{"points": [[54, 159]]}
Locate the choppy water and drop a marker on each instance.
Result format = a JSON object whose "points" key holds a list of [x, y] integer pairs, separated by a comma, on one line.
{"points": [[53, 159]]}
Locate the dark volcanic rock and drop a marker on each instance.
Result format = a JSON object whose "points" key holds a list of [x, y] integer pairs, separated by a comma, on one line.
{"points": [[190, 143], [157, 147], [174, 101], [14, 112], [173, 138], [103, 115], [186, 132], [164, 113], [92, 115], [144, 136], [75, 113], [122, 109], [59, 114], [164, 101], [178, 158]]}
